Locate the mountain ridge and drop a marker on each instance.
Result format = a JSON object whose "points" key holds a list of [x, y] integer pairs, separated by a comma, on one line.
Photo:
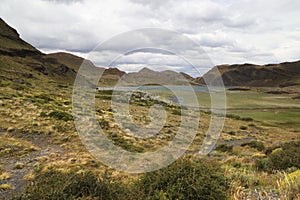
{"points": [[274, 75]]}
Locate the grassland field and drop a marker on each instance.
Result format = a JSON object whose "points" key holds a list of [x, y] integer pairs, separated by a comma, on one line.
{"points": [[38, 137]]}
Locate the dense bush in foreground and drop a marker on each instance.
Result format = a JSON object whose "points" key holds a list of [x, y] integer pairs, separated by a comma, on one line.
{"points": [[57, 185], [287, 156], [187, 178]]}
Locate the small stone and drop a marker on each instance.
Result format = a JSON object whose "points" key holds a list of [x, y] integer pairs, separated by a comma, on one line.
{"points": [[10, 129]]}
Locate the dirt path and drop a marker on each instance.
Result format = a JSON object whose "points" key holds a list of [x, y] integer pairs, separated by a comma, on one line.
{"points": [[27, 164]]}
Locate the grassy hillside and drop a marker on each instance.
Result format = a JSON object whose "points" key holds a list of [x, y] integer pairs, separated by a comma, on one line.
{"points": [[11, 42], [271, 75]]}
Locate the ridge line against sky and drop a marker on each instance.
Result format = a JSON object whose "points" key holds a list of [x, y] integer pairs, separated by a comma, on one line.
{"points": [[229, 31]]}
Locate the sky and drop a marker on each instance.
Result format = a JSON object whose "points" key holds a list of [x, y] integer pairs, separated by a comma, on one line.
{"points": [[222, 31]]}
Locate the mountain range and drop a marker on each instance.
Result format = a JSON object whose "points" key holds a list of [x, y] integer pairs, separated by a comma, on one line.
{"points": [[20, 61]]}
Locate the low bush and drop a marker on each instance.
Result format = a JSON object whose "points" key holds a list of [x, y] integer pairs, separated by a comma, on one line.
{"points": [[176, 112], [17, 86], [255, 144], [224, 148], [231, 132], [286, 157], [233, 116], [4, 83], [246, 119], [43, 98], [187, 178], [72, 185], [120, 141], [61, 115], [105, 92]]}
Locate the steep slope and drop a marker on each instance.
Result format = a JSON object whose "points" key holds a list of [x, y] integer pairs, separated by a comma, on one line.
{"points": [[11, 43], [70, 60], [270, 75], [21, 63], [24, 65]]}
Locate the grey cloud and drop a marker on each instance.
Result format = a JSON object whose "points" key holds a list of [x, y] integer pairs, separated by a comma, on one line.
{"points": [[229, 31], [64, 1], [216, 42], [154, 4], [239, 22]]}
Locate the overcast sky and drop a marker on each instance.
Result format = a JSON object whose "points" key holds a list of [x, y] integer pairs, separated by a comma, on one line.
{"points": [[244, 31]]}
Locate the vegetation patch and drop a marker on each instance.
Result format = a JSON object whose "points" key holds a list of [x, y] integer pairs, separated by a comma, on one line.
{"points": [[61, 115], [14, 147], [224, 148], [255, 144], [286, 157], [5, 187], [291, 185], [187, 178], [71, 185]]}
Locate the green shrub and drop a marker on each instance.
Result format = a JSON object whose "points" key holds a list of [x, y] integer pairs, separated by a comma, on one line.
{"points": [[255, 144], [61, 115], [43, 114], [58, 185], [43, 98], [231, 132], [246, 119], [186, 178], [4, 83], [62, 86], [224, 148], [233, 116], [120, 141], [17, 86], [286, 157], [176, 112]]}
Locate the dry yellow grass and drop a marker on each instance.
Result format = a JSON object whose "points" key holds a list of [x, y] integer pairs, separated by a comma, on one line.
{"points": [[5, 187], [4, 176]]}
